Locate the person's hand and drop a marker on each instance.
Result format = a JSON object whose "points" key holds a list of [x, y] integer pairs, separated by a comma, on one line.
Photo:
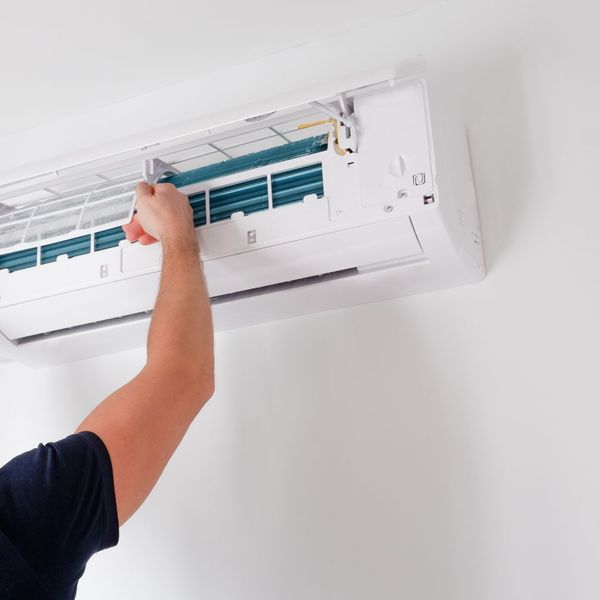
{"points": [[163, 213]]}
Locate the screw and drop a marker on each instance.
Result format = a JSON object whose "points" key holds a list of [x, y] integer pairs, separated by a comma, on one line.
{"points": [[339, 212], [388, 208], [403, 195]]}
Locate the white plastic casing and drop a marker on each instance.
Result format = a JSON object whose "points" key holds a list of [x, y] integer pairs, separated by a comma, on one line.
{"points": [[398, 217]]}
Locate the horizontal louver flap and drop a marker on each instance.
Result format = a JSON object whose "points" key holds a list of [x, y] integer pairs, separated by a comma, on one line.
{"points": [[251, 161], [293, 186], [198, 204], [246, 197], [109, 238], [73, 247], [16, 261]]}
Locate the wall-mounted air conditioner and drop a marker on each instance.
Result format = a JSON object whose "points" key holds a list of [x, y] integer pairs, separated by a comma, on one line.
{"points": [[349, 199]]}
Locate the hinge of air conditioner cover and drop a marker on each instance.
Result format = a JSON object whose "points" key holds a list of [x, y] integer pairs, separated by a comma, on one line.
{"points": [[342, 121], [155, 168]]}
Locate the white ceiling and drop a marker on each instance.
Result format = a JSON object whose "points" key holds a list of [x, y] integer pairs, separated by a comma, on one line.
{"points": [[68, 56]]}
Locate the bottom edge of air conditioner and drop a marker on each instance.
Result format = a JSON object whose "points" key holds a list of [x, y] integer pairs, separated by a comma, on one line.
{"points": [[224, 298], [218, 300]]}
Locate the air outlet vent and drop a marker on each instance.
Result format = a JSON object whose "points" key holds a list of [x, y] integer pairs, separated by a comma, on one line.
{"points": [[109, 238], [15, 261], [247, 197], [73, 247], [251, 161], [293, 186], [198, 204]]}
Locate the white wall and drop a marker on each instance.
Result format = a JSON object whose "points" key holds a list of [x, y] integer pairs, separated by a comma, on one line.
{"points": [[440, 446]]}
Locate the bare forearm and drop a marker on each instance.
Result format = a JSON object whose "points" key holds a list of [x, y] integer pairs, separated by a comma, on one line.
{"points": [[181, 337], [143, 422]]}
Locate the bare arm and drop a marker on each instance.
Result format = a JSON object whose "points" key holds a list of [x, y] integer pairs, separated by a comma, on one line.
{"points": [[142, 423]]}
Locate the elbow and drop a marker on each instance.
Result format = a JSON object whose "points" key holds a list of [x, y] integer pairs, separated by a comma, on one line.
{"points": [[201, 382], [196, 386], [207, 387], [186, 378]]}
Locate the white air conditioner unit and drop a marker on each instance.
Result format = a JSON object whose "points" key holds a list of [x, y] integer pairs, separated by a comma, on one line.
{"points": [[349, 199]]}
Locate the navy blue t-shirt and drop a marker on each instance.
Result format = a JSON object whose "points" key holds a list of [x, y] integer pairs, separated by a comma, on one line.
{"points": [[57, 509]]}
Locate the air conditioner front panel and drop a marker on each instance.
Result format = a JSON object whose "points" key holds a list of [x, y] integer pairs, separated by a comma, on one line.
{"points": [[395, 157], [351, 198], [328, 253], [392, 239]]}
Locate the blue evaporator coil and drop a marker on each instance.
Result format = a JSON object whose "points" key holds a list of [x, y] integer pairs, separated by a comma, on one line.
{"points": [[246, 196]]}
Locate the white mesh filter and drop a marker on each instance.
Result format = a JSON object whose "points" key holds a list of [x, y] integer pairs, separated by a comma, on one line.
{"points": [[11, 234], [104, 206], [98, 196]]}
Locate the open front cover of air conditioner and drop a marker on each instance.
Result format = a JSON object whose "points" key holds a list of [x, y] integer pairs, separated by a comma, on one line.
{"points": [[305, 208]]}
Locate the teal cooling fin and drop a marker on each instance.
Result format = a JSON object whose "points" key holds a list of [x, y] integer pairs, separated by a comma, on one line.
{"points": [[245, 196]]}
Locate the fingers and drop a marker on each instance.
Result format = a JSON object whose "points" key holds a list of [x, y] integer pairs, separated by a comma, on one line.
{"points": [[143, 189], [164, 187], [155, 204], [133, 231], [147, 239]]}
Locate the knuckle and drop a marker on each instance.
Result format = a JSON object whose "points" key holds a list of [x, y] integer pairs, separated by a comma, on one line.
{"points": [[165, 187]]}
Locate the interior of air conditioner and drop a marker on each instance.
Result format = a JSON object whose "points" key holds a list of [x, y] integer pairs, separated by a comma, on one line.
{"points": [[35, 233], [41, 217], [314, 196]]}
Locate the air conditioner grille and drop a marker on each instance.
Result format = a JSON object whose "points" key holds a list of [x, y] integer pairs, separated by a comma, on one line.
{"points": [[198, 204], [73, 247], [15, 261], [251, 161], [247, 197], [109, 238], [293, 186]]}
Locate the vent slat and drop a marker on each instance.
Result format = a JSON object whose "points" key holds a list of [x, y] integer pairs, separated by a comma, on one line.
{"points": [[109, 238], [238, 189], [293, 186], [73, 247], [15, 261], [248, 196], [247, 206], [198, 204], [251, 161], [300, 173]]}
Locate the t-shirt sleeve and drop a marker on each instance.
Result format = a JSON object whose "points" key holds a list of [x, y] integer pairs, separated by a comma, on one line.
{"points": [[58, 508]]}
